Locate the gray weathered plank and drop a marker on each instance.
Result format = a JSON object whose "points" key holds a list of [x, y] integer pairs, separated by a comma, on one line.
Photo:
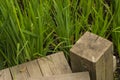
{"points": [[70, 76], [25, 70], [20, 72], [33, 68], [54, 64], [45, 66], [94, 54], [5, 74]]}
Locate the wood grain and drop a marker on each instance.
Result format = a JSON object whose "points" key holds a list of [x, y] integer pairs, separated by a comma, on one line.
{"points": [[46, 66], [54, 64], [94, 54], [70, 76], [5, 74]]}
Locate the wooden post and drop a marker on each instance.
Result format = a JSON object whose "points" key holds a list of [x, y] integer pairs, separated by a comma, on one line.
{"points": [[94, 54]]}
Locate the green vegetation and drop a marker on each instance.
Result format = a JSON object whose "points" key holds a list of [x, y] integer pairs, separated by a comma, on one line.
{"points": [[35, 28], [116, 25]]}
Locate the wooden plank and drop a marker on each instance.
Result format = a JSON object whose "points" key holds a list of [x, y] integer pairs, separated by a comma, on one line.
{"points": [[94, 54], [5, 74], [33, 68], [114, 63], [26, 70], [54, 64], [19, 72], [70, 76], [50, 65]]}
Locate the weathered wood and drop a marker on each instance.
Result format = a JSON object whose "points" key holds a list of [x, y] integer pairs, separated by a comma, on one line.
{"points": [[54, 64], [94, 54], [33, 68], [5, 74], [114, 63], [26, 70], [20, 72], [72, 76], [46, 66]]}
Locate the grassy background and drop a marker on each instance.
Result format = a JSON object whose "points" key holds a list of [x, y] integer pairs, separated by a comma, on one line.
{"points": [[35, 28]]}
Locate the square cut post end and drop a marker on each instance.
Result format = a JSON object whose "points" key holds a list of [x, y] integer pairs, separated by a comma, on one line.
{"points": [[94, 54]]}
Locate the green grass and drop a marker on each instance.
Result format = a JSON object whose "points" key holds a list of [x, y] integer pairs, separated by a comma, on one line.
{"points": [[116, 25], [26, 33], [35, 28]]}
